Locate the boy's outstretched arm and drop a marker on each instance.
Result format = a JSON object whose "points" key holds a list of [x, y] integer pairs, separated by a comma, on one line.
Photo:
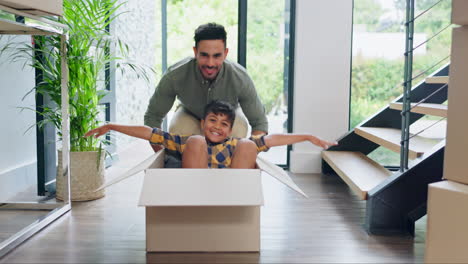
{"points": [[273, 140], [143, 132]]}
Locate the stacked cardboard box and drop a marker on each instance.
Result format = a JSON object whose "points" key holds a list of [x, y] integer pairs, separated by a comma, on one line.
{"points": [[447, 226]]}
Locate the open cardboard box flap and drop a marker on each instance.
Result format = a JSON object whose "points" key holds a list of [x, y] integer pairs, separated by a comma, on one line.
{"points": [[157, 160]]}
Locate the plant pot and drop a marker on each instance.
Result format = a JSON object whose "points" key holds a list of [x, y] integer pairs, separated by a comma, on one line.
{"points": [[85, 176]]}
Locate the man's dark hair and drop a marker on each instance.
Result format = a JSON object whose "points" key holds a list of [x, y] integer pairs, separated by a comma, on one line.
{"points": [[220, 107], [210, 31]]}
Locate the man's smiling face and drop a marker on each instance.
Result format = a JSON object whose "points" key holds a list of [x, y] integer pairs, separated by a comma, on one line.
{"points": [[210, 55]]}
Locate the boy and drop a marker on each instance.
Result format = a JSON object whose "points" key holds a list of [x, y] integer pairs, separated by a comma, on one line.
{"points": [[216, 149]]}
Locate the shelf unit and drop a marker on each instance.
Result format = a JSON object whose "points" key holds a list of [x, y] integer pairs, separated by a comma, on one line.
{"points": [[36, 25]]}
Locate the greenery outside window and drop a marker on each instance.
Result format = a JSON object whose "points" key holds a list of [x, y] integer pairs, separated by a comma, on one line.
{"points": [[266, 60], [378, 55]]}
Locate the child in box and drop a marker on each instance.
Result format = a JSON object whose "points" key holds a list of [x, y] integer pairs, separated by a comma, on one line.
{"points": [[216, 149]]}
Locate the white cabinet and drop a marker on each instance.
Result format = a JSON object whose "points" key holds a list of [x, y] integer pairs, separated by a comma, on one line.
{"points": [[36, 7], [36, 25]]}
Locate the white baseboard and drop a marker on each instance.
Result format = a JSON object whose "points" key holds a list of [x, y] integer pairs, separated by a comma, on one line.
{"points": [[18, 179], [305, 162]]}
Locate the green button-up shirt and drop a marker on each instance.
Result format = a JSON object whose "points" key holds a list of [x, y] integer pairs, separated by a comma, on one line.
{"points": [[184, 81]]}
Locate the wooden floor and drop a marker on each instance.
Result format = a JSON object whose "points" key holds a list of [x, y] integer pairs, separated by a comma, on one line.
{"points": [[326, 228], [13, 221]]}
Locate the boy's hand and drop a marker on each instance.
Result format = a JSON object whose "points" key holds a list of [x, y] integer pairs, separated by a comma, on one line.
{"points": [[97, 132], [322, 143]]}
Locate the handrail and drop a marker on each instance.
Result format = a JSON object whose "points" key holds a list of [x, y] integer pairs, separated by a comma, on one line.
{"points": [[406, 104], [408, 74]]}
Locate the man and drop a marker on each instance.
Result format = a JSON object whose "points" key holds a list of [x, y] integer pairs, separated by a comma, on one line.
{"points": [[198, 81]]}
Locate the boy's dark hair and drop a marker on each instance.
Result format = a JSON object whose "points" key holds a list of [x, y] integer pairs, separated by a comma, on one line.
{"points": [[210, 31], [220, 107]]}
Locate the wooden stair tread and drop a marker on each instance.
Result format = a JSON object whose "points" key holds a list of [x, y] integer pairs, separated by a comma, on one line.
{"points": [[391, 137], [358, 171], [424, 108], [437, 79]]}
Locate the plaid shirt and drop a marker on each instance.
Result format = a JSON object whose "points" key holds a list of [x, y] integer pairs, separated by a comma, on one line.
{"points": [[219, 154]]}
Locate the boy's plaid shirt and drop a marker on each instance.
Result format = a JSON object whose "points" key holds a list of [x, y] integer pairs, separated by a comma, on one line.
{"points": [[219, 154]]}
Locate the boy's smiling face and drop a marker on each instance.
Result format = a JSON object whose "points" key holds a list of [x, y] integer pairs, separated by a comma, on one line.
{"points": [[216, 127]]}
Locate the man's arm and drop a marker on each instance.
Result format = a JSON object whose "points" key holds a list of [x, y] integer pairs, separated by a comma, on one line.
{"points": [[156, 148], [288, 139], [160, 103], [253, 109], [258, 132], [143, 132]]}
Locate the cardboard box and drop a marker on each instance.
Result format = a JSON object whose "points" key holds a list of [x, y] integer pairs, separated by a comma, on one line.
{"points": [[455, 158], [207, 210], [447, 223], [202, 209], [460, 12], [36, 7]]}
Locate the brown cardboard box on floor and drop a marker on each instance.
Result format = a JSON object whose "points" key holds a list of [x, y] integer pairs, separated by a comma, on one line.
{"points": [[203, 210], [447, 223], [36, 7]]}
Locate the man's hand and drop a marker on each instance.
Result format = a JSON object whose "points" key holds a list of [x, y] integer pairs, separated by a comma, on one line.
{"points": [[156, 148], [258, 132]]}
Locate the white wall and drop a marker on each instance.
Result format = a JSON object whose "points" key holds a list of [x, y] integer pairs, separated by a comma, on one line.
{"points": [[136, 26], [322, 76], [18, 150]]}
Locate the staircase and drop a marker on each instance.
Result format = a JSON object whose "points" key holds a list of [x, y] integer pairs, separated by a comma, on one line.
{"points": [[395, 200]]}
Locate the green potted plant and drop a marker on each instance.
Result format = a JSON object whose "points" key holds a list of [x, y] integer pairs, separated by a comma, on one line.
{"points": [[88, 58]]}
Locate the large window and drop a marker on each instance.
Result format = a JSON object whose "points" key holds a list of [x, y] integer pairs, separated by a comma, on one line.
{"points": [[265, 54], [266, 64], [378, 54], [184, 16]]}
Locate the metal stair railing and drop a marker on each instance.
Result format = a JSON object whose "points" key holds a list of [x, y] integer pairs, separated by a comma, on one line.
{"points": [[408, 78], [405, 114]]}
